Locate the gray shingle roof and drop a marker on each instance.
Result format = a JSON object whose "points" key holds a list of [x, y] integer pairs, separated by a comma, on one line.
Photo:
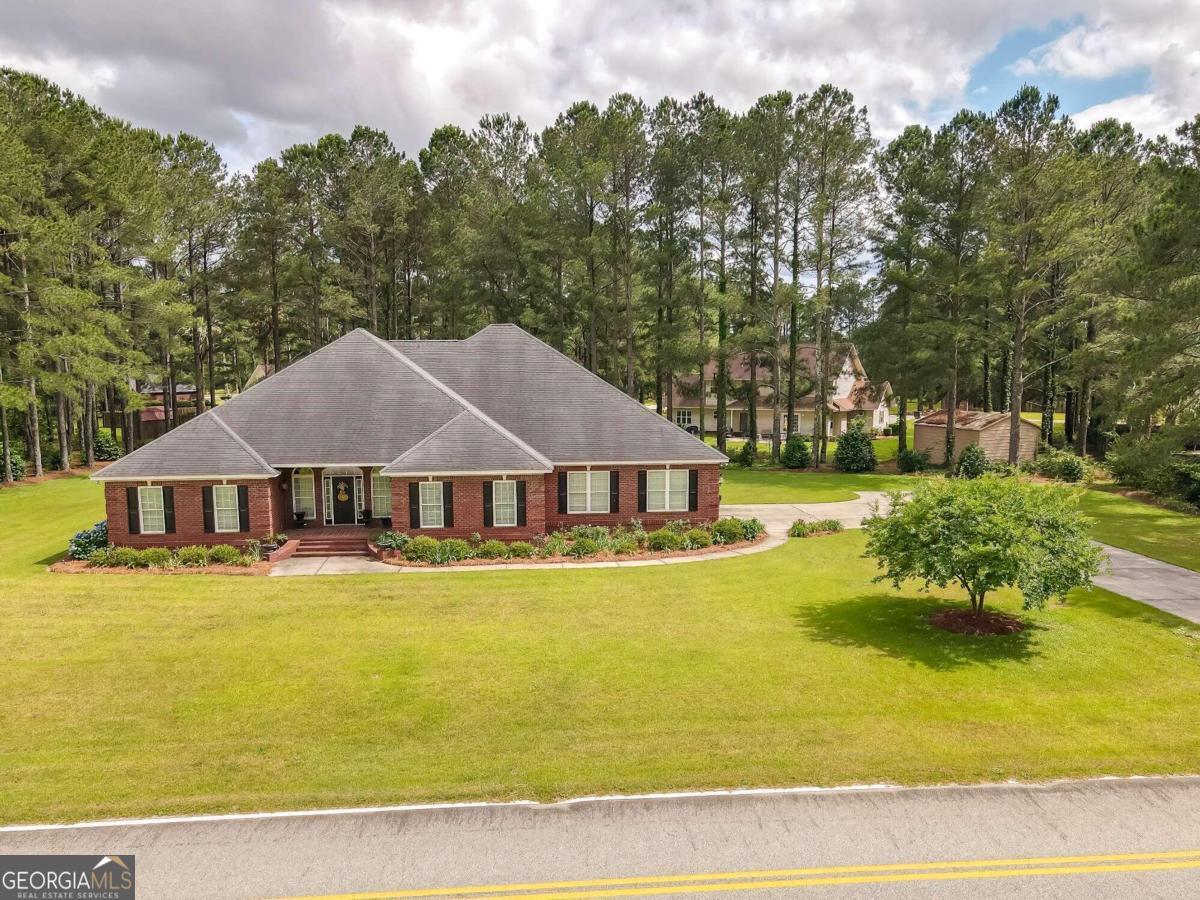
{"points": [[466, 444], [500, 401], [201, 446], [552, 403]]}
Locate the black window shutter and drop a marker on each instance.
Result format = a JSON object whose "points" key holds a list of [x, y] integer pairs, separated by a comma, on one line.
{"points": [[562, 492], [521, 504], [693, 490], [414, 504], [448, 504], [488, 518], [209, 521], [169, 509], [641, 490], [131, 502], [614, 491], [243, 508]]}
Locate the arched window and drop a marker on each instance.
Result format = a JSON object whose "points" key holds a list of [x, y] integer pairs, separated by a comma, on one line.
{"points": [[304, 494]]}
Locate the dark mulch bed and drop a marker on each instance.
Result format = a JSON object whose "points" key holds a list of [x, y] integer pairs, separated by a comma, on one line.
{"points": [[964, 621]]}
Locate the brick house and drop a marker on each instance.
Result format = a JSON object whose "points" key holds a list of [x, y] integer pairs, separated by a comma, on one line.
{"points": [[498, 434]]}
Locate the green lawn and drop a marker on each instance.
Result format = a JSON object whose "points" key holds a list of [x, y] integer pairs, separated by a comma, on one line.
{"points": [[766, 485], [1144, 528], [132, 695]]}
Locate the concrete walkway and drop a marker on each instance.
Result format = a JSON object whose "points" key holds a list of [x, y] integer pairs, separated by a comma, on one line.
{"points": [[1170, 588], [777, 517]]}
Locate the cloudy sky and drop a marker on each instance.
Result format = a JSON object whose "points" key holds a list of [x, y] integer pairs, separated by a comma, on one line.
{"points": [[254, 76]]}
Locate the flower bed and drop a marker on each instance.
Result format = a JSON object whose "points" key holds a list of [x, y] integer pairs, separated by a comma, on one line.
{"points": [[583, 543], [219, 558]]}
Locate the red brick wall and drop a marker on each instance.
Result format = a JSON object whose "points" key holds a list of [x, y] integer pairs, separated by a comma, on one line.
{"points": [[709, 500], [468, 509], [189, 514]]}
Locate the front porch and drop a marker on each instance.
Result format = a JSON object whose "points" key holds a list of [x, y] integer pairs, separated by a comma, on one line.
{"points": [[336, 498]]}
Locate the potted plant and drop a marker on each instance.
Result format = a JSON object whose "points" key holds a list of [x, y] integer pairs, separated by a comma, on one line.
{"points": [[366, 515], [299, 516], [386, 522]]}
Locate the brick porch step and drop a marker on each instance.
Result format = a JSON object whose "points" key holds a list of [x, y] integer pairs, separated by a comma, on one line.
{"points": [[332, 546]]}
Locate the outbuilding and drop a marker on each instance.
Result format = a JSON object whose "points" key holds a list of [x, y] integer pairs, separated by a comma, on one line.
{"points": [[987, 429]]}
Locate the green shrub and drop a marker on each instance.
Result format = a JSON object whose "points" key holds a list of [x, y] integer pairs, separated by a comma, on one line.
{"points": [[797, 454], [17, 461], [1060, 465], [909, 460], [727, 531], [392, 540], [745, 455], [806, 529], [751, 528], [972, 462], [521, 549], [554, 545], [584, 547], [597, 533], [492, 549], [193, 556], [158, 558], [100, 557], [422, 548], [105, 446], [624, 545], [452, 550], [124, 558], [679, 526], [85, 542], [225, 555], [855, 452], [253, 550], [663, 540], [697, 538]]}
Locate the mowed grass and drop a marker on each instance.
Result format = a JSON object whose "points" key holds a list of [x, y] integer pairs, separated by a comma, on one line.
{"points": [[771, 485], [141, 694], [1143, 528]]}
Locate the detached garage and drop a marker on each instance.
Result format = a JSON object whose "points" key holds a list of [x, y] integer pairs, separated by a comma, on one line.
{"points": [[987, 429]]}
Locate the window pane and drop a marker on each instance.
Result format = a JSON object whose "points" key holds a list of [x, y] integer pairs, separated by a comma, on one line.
{"points": [[577, 492], [679, 490], [225, 507], [304, 495], [504, 503], [599, 491], [150, 501], [381, 495], [431, 504]]}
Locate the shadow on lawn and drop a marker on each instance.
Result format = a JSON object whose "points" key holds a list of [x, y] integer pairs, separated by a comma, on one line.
{"points": [[898, 627]]}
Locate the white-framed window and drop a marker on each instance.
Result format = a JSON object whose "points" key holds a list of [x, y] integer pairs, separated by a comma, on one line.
{"points": [[381, 495], [304, 494], [152, 514], [225, 507], [667, 490], [683, 417], [431, 504], [587, 492], [504, 503]]}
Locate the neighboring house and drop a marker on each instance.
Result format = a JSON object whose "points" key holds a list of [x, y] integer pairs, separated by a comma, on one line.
{"points": [[155, 393], [987, 429], [498, 434], [851, 396]]}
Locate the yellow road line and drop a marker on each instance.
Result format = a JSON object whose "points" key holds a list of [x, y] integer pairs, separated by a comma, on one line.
{"points": [[862, 874]]}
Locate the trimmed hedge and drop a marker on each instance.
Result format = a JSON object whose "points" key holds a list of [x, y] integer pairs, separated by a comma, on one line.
{"points": [[808, 529]]}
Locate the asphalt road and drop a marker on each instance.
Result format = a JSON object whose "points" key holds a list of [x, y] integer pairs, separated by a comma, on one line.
{"points": [[1115, 838]]}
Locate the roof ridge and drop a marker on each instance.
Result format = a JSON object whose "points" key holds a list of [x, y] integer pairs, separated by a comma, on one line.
{"points": [[463, 401], [607, 384], [429, 437], [237, 437]]}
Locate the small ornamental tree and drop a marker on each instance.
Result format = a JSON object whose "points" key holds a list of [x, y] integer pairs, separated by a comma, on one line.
{"points": [[972, 462], [985, 534], [796, 453], [855, 452]]}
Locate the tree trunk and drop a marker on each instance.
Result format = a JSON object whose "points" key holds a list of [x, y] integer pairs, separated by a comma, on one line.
{"points": [[6, 470], [89, 418], [34, 427], [208, 334], [952, 406], [1015, 390], [902, 424]]}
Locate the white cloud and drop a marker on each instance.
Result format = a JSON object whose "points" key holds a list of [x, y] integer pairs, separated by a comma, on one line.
{"points": [[257, 75], [1161, 37]]}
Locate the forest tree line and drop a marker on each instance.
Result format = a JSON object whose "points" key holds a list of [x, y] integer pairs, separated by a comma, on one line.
{"points": [[1003, 259]]}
